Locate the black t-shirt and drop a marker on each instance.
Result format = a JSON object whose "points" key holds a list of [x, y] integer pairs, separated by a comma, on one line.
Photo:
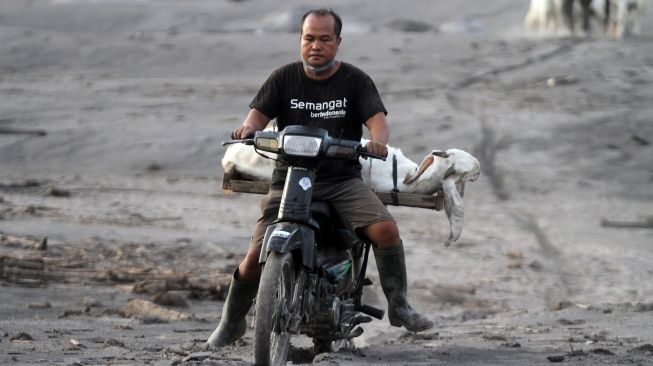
{"points": [[340, 104]]}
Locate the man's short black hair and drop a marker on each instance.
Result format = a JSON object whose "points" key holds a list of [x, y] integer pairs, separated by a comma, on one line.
{"points": [[324, 12]]}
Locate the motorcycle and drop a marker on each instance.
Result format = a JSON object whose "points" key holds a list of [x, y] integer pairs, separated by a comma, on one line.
{"points": [[314, 267]]}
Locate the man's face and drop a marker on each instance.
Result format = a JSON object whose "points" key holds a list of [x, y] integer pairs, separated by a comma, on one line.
{"points": [[319, 42]]}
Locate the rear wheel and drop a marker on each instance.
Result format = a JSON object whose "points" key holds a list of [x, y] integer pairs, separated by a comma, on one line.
{"points": [[273, 310]]}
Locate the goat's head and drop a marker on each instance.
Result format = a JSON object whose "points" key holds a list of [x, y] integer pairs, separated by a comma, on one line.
{"points": [[438, 165], [431, 171]]}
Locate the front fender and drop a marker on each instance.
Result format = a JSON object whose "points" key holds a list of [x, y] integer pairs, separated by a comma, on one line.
{"points": [[286, 237]]}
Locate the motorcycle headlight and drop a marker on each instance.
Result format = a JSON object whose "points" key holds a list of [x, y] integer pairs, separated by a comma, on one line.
{"points": [[301, 145]]}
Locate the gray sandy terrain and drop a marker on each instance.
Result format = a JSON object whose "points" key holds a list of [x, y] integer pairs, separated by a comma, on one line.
{"points": [[111, 118]]}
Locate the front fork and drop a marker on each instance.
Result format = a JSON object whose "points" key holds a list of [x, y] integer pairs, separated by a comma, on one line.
{"points": [[297, 308], [292, 233]]}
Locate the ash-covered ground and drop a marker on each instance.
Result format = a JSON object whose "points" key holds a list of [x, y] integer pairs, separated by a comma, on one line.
{"points": [[111, 118]]}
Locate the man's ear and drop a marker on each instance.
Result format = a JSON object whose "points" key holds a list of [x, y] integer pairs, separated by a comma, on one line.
{"points": [[339, 40]]}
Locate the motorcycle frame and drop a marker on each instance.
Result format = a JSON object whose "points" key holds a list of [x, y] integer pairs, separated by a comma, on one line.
{"points": [[295, 231]]}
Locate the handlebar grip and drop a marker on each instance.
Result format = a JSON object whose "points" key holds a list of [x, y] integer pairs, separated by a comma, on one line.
{"points": [[245, 141], [363, 152], [233, 136]]}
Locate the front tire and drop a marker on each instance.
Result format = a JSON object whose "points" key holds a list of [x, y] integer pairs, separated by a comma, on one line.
{"points": [[273, 310]]}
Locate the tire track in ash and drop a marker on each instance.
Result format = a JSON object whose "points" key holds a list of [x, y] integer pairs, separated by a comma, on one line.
{"points": [[486, 152], [529, 61]]}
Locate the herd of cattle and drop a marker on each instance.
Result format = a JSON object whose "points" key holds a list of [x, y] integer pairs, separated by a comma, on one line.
{"points": [[617, 18]]}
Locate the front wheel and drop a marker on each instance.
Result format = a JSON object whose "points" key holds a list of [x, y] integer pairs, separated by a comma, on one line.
{"points": [[274, 310]]}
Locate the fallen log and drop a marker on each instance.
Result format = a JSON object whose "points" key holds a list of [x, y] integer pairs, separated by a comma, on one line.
{"points": [[215, 286], [149, 310], [21, 131], [640, 224]]}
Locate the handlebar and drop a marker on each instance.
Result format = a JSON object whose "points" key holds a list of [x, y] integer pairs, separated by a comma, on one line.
{"points": [[244, 141], [233, 136], [265, 141]]}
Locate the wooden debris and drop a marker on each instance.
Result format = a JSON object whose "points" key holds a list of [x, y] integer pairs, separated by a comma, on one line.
{"points": [[39, 305], [113, 343], [536, 265], [57, 192], [21, 337], [20, 131], [36, 271], [556, 358], [513, 264], [561, 305], [464, 295], [75, 345], [641, 224], [90, 302], [511, 344], [28, 183], [197, 356], [515, 254], [222, 252], [169, 299], [26, 242], [149, 310], [602, 351], [640, 140]]}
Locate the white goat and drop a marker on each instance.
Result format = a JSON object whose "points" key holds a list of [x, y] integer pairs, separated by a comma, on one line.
{"points": [[247, 162], [438, 171]]}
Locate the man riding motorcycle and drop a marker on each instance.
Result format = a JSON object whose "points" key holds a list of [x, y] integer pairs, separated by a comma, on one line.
{"points": [[324, 92]]}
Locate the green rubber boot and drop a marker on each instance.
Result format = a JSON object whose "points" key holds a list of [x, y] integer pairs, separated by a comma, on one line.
{"points": [[391, 264], [233, 324]]}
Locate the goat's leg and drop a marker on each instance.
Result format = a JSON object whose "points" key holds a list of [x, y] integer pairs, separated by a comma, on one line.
{"points": [[453, 207]]}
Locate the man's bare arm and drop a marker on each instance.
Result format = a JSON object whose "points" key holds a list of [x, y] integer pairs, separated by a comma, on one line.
{"points": [[255, 121]]}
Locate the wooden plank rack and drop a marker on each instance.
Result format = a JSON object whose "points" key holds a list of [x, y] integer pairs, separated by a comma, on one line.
{"points": [[234, 182]]}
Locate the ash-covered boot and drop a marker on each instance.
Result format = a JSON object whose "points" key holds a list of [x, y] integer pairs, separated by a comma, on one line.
{"points": [[233, 324], [392, 273]]}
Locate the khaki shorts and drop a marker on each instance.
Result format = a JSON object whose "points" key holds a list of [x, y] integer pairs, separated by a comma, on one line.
{"points": [[356, 204]]}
